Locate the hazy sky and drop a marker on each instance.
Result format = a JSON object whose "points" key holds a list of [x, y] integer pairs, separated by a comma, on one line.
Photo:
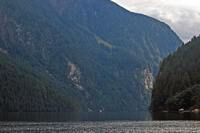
{"points": [[183, 16]]}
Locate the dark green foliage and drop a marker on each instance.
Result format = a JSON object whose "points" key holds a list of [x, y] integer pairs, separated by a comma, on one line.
{"points": [[186, 99], [110, 49], [21, 90], [175, 85]]}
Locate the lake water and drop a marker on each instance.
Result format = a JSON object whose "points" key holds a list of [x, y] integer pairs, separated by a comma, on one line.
{"points": [[142, 122], [103, 127]]}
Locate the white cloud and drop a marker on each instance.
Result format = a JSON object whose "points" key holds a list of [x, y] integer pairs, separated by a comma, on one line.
{"points": [[182, 15]]}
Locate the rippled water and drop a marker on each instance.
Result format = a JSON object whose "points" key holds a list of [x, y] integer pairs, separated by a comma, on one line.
{"points": [[104, 127], [136, 122]]}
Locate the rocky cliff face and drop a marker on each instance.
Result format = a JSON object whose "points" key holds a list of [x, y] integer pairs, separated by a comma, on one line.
{"points": [[148, 78], [75, 75]]}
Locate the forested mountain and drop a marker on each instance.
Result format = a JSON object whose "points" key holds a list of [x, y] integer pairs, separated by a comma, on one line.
{"points": [[94, 51], [22, 90], [177, 84]]}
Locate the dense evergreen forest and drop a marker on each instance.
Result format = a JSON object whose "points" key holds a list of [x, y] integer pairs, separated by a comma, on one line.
{"points": [[177, 84], [22, 90]]}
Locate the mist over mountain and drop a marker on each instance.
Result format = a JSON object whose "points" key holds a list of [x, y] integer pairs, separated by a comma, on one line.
{"points": [[92, 51]]}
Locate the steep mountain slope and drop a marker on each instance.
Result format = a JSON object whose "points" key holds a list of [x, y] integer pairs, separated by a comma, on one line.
{"points": [[121, 28], [94, 51], [177, 83], [22, 90], [141, 40]]}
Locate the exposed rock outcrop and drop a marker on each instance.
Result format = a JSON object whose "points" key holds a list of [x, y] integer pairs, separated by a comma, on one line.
{"points": [[148, 78], [75, 75]]}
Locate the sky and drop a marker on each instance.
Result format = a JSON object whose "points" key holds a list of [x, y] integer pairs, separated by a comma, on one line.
{"points": [[183, 16]]}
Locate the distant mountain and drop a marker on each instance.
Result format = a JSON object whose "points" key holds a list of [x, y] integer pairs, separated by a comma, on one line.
{"points": [[177, 84], [94, 52]]}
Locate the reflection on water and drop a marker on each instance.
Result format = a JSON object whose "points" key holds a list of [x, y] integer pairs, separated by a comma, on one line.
{"points": [[66, 117], [62, 117], [175, 116]]}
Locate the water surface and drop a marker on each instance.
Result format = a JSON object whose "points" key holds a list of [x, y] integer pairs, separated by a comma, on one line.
{"points": [[135, 122], [104, 127], [70, 117]]}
